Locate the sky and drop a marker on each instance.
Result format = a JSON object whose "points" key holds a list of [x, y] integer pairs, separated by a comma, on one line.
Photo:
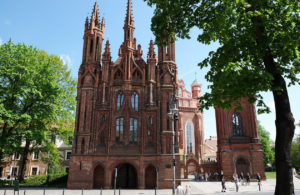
{"points": [[57, 26]]}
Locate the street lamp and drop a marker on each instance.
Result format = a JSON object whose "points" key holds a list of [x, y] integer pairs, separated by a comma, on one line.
{"points": [[173, 114]]}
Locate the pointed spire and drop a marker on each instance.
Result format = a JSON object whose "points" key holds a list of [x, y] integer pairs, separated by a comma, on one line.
{"points": [[95, 16], [129, 18], [107, 48], [151, 53], [87, 23], [139, 51], [103, 24]]}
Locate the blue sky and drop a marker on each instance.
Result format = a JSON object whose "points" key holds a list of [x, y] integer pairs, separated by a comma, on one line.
{"points": [[57, 26]]}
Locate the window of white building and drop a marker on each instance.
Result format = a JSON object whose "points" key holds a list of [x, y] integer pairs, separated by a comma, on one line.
{"points": [[34, 171], [67, 154]]}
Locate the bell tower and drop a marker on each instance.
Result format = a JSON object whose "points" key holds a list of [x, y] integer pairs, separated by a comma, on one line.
{"points": [[93, 38], [88, 82], [239, 149]]}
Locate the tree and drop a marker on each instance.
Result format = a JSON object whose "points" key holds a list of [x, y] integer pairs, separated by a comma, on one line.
{"points": [[37, 100], [259, 52], [265, 141]]}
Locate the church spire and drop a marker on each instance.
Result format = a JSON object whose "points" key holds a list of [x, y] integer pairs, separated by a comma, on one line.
{"points": [[95, 16], [129, 18], [129, 26]]}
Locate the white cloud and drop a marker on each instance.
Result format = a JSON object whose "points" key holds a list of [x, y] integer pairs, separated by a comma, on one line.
{"points": [[66, 60], [1, 41], [271, 105]]}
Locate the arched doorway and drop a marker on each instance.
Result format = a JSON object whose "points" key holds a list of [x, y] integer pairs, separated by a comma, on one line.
{"points": [[126, 177], [242, 165], [150, 177], [99, 177]]}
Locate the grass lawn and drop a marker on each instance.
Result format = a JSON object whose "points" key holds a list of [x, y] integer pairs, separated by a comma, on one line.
{"points": [[270, 175]]}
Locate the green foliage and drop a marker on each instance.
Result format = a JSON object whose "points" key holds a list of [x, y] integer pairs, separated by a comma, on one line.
{"points": [[52, 180], [265, 141], [248, 32], [270, 175], [295, 153], [37, 99]]}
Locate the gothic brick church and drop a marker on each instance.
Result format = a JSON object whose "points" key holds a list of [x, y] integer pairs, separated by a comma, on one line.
{"points": [[122, 119]]}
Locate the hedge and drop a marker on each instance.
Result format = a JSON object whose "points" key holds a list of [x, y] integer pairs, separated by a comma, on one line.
{"points": [[51, 180]]}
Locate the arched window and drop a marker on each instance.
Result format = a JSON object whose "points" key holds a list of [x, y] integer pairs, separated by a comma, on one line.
{"points": [[133, 130], [137, 75], [119, 129], [189, 136], [237, 124], [180, 92], [120, 99], [135, 101]]}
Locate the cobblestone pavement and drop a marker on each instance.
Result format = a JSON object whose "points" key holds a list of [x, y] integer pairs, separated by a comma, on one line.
{"points": [[196, 188]]}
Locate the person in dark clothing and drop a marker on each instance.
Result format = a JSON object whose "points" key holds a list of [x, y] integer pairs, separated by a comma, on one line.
{"points": [[258, 181], [223, 184], [248, 179]]}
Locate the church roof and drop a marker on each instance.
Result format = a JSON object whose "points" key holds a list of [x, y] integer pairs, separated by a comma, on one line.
{"points": [[196, 82]]}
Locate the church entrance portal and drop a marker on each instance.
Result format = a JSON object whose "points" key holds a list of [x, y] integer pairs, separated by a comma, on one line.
{"points": [[150, 177], [126, 177], [99, 177], [242, 165]]}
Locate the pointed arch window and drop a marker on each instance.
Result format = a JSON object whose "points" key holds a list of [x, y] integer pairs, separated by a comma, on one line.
{"points": [[237, 124], [133, 130], [120, 99], [119, 129], [180, 92], [135, 101], [189, 136], [137, 75]]}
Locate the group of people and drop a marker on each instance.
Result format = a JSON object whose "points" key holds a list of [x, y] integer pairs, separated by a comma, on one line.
{"points": [[237, 179], [206, 176], [186, 191], [241, 179]]}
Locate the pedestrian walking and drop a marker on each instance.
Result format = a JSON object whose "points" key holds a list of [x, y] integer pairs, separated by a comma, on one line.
{"points": [[188, 190], [196, 175], [258, 181], [216, 176], [205, 176], [223, 184], [248, 179], [236, 181], [242, 178], [179, 189]]}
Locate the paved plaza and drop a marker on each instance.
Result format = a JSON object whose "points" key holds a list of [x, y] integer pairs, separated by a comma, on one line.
{"points": [[197, 188]]}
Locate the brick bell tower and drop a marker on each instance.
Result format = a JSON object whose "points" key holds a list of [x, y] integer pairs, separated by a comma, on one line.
{"points": [[239, 149], [88, 81]]}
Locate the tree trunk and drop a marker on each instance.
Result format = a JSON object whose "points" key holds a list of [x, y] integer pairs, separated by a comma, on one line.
{"points": [[24, 161], [285, 129]]}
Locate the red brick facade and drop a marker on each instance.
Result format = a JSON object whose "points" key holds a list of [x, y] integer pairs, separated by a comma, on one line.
{"points": [[122, 107], [122, 115], [239, 149]]}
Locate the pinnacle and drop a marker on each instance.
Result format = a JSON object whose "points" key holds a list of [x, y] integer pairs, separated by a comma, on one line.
{"points": [[151, 52], [129, 17]]}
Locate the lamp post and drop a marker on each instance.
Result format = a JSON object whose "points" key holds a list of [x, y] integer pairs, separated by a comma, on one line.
{"points": [[173, 114]]}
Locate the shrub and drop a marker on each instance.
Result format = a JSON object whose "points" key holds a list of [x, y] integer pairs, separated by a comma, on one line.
{"points": [[53, 180]]}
